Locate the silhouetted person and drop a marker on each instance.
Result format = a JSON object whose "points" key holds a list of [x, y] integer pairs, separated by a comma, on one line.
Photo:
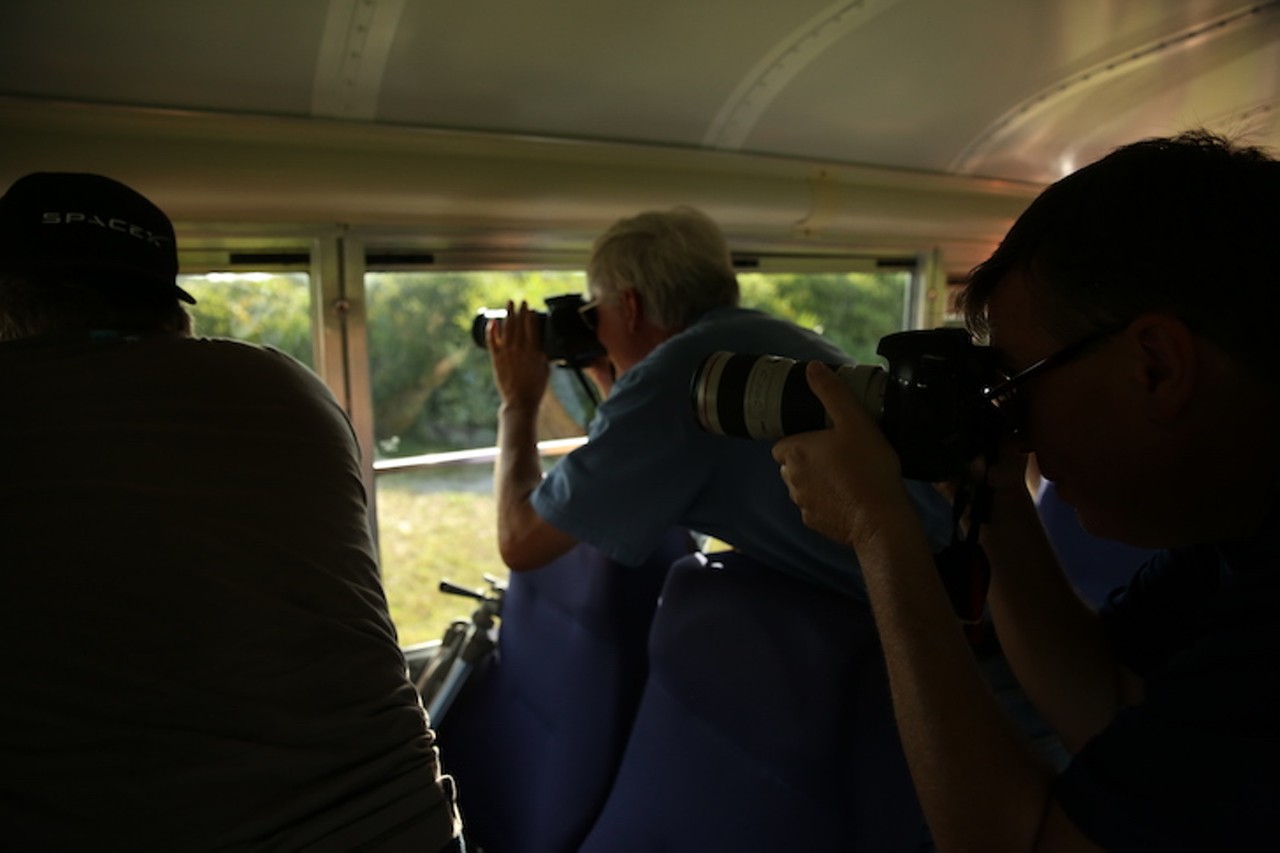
{"points": [[1133, 307], [196, 648]]}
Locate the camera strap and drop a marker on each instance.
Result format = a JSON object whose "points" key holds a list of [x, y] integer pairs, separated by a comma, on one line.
{"points": [[963, 565], [586, 386]]}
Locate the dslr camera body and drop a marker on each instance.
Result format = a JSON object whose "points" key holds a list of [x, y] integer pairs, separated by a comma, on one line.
{"points": [[932, 402], [567, 340]]}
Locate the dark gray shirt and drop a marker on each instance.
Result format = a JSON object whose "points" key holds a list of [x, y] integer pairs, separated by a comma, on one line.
{"points": [[195, 646]]}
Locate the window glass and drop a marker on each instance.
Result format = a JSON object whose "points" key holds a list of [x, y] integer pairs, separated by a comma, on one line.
{"points": [[264, 308], [435, 410], [435, 424], [853, 310]]}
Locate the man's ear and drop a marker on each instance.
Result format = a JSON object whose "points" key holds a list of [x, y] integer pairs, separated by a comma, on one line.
{"points": [[1165, 363], [633, 308]]}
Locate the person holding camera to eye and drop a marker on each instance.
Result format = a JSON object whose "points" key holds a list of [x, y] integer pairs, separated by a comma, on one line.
{"points": [[1132, 308], [663, 296]]}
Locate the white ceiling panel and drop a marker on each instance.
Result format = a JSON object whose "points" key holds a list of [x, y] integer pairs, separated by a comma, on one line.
{"points": [[1010, 89]]}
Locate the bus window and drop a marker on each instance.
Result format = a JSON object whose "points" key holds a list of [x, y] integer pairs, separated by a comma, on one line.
{"points": [[435, 424], [271, 308], [435, 409], [854, 309]]}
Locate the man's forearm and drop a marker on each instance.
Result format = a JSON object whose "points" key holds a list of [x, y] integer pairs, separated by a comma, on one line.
{"points": [[980, 783], [516, 474], [525, 540]]}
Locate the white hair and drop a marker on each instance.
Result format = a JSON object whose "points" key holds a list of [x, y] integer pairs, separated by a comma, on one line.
{"points": [[677, 260]]}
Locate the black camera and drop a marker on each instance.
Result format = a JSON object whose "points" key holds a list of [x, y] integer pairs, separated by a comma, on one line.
{"points": [[567, 340], [931, 403]]}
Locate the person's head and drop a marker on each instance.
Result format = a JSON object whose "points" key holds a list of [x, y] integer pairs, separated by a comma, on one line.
{"points": [[81, 253], [1159, 257], [655, 273], [1183, 225]]}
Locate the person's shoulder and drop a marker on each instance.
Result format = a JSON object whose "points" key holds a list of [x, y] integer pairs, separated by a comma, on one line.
{"points": [[674, 362], [231, 352], [232, 348], [755, 332], [153, 354], [254, 368], [713, 329]]}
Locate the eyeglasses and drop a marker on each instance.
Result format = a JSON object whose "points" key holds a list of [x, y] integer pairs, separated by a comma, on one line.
{"points": [[590, 313], [1008, 396]]}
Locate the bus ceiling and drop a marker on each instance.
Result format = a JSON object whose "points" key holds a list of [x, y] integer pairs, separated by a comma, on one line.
{"points": [[883, 128]]}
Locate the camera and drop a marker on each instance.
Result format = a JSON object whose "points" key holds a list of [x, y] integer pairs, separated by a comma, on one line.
{"points": [[931, 402], [567, 340]]}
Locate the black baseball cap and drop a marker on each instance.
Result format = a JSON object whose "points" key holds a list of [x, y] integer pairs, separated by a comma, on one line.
{"points": [[77, 222]]}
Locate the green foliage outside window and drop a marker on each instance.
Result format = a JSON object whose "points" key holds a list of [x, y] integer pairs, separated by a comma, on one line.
{"points": [[259, 307], [432, 386], [853, 310]]}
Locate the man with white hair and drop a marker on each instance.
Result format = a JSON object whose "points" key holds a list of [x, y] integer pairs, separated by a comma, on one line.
{"points": [[664, 296]]}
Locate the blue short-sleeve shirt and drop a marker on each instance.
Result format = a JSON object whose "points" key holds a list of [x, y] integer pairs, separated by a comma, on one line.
{"points": [[648, 466]]}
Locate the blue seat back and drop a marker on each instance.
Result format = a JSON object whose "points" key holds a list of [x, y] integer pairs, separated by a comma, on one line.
{"points": [[535, 738], [766, 724]]}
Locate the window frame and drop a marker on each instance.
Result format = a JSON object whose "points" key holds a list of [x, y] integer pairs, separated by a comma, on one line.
{"points": [[337, 260]]}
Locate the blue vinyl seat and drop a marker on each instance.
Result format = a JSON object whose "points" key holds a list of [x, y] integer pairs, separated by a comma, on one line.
{"points": [[535, 738], [766, 725]]}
